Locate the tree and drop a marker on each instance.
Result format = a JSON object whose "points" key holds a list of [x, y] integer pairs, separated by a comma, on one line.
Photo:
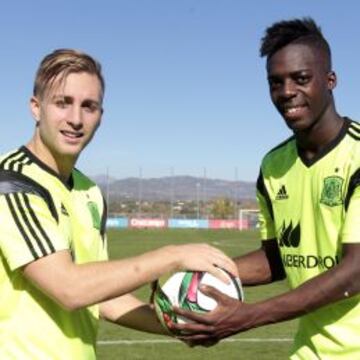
{"points": [[222, 208]]}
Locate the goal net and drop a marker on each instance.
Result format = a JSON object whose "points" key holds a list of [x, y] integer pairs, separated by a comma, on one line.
{"points": [[248, 219]]}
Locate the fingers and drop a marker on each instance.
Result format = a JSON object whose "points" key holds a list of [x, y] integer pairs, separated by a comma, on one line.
{"points": [[192, 315], [208, 258], [197, 339], [222, 261], [219, 274], [228, 265], [190, 329], [212, 292]]}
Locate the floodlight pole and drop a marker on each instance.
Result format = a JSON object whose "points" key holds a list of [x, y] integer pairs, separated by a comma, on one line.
{"points": [[107, 189], [172, 192], [198, 200], [204, 208], [236, 192], [140, 192]]}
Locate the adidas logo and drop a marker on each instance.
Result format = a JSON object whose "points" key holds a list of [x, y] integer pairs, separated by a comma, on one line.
{"points": [[282, 194], [63, 210]]}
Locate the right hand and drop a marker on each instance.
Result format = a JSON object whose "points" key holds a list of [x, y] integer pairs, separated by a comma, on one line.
{"points": [[203, 257], [228, 318]]}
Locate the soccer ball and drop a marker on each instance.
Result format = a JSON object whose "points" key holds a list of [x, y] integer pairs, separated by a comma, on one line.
{"points": [[182, 290]]}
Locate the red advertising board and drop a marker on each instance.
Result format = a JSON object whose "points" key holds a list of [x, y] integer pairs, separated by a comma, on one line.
{"points": [[148, 223], [227, 224]]}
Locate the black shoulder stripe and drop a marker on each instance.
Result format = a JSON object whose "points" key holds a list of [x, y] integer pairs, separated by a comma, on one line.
{"points": [[18, 162], [355, 136], [12, 182], [9, 158], [354, 129], [20, 227], [37, 223], [353, 183], [31, 234], [260, 185], [15, 161], [355, 126]]}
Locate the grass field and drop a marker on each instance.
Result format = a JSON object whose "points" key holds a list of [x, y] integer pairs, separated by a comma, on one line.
{"points": [[267, 343]]}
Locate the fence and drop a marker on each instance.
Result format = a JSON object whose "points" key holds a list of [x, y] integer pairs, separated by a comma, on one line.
{"points": [[124, 222]]}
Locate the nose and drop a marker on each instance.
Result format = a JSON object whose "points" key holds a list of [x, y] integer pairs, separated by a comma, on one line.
{"points": [[75, 119], [288, 89]]}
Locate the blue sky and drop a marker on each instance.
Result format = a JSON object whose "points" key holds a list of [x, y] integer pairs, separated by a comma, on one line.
{"points": [[186, 88]]}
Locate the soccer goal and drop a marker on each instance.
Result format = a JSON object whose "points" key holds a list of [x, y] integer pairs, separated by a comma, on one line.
{"points": [[248, 219]]}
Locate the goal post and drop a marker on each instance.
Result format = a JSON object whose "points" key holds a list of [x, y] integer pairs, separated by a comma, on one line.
{"points": [[248, 219]]}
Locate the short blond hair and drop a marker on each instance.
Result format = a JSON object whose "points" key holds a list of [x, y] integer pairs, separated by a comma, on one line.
{"points": [[62, 62]]}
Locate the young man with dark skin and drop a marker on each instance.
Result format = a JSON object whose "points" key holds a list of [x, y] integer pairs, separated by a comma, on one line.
{"points": [[309, 199]]}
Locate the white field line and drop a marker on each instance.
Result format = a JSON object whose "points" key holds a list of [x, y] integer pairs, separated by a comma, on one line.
{"points": [[168, 341]]}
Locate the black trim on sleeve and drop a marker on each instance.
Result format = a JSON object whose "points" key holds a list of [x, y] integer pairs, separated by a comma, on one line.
{"points": [[353, 183], [273, 256], [260, 185]]}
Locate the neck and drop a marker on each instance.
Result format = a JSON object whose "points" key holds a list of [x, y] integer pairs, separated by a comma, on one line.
{"points": [[313, 140], [60, 164]]}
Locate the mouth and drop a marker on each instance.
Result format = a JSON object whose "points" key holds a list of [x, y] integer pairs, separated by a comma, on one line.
{"points": [[293, 112], [72, 135]]}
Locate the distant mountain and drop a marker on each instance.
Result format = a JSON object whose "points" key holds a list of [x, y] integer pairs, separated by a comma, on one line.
{"points": [[176, 188], [103, 179]]}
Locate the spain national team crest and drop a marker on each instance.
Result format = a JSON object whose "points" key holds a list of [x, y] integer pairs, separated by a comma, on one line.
{"points": [[332, 191]]}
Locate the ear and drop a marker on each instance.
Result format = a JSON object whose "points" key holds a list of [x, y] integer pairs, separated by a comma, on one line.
{"points": [[35, 108], [332, 80]]}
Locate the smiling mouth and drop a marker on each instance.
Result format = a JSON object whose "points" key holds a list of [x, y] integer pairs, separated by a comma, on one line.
{"points": [[71, 134], [293, 110]]}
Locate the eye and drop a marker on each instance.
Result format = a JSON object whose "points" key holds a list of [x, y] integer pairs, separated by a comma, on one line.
{"points": [[302, 79], [91, 106], [60, 103], [274, 83]]}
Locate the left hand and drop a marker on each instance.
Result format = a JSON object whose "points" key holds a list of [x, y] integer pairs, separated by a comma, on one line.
{"points": [[229, 317]]}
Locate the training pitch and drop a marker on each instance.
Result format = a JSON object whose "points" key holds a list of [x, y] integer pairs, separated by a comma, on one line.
{"points": [[266, 343]]}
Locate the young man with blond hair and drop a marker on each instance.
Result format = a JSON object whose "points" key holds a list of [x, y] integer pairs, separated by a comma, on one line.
{"points": [[55, 279]]}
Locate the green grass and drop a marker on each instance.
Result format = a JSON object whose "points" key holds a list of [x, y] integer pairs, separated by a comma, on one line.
{"points": [[263, 343]]}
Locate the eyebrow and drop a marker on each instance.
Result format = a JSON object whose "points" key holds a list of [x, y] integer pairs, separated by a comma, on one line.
{"points": [[67, 97], [91, 102], [291, 73]]}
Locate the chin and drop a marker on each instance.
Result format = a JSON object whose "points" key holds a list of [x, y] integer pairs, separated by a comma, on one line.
{"points": [[297, 125], [69, 152]]}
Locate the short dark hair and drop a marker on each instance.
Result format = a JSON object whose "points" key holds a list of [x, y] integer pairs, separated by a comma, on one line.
{"points": [[296, 31]]}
